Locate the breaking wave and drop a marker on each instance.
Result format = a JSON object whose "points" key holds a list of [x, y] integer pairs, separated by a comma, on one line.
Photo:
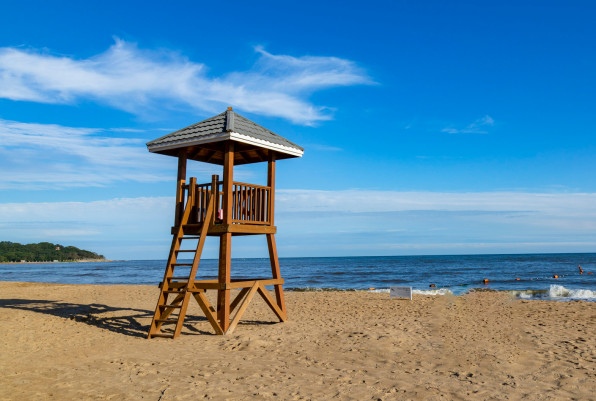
{"points": [[558, 291], [555, 292]]}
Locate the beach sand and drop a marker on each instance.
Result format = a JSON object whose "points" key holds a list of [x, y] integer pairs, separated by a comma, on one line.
{"points": [[87, 342]]}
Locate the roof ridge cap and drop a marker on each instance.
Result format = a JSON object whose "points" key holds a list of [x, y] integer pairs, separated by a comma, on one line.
{"points": [[229, 120]]}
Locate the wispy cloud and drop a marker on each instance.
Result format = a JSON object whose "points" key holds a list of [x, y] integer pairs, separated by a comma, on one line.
{"points": [[138, 80], [38, 156], [477, 127], [364, 201], [347, 223]]}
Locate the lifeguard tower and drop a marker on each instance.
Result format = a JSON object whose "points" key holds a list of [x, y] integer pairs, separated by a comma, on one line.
{"points": [[223, 209]]}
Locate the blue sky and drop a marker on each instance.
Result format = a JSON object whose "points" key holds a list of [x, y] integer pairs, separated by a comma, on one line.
{"points": [[429, 127]]}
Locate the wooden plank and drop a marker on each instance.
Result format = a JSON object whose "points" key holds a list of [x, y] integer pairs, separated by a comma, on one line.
{"points": [[253, 203], [167, 312], [180, 181], [228, 183], [263, 153], [263, 205], [239, 228], [258, 201], [244, 284], [241, 157], [176, 240], [163, 335], [238, 298], [201, 243], [234, 202], [223, 295], [242, 308], [214, 194], [250, 185], [271, 185], [279, 292], [208, 311], [245, 203], [181, 315], [271, 302], [209, 156], [234, 284], [255, 222]]}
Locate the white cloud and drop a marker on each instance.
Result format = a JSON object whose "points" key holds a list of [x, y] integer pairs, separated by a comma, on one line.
{"points": [[140, 227], [138, 80], [358, 201], [477, 127], [36, 156]]}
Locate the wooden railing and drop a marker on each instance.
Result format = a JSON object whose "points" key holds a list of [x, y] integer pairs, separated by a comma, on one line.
{"points": [[251, 204]]}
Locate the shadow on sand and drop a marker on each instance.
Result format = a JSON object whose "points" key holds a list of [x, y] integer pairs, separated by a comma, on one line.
{"points": [[118, 320]]}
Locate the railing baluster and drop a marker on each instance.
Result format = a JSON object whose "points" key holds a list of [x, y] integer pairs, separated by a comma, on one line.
{"points": [[250, 203], [254, 204], [263, 204], [203, 190], [258, 203], [250, 195], [269, 206], [244, 203]]}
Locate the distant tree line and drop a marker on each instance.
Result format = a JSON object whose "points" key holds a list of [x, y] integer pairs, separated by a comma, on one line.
{"points": [[42, 252]]}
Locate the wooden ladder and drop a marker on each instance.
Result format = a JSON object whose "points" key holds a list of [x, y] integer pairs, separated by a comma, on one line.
{"points": [[181, 288]]}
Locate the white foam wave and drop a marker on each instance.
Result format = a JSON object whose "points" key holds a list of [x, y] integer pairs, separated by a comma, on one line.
{"points": [[558, 291]]}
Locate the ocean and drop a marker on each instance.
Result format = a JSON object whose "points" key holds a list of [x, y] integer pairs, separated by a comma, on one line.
{"points": [[449, 274]]}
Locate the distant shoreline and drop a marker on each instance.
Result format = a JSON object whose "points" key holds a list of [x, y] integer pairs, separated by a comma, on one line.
{"points": [[60, 261]]}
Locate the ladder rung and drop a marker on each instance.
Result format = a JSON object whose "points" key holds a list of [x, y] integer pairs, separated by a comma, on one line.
{"points": [[166, 320], [170, 306], [193, 225], [181, 264], [162, 335], [173, 292], [178, 278]]}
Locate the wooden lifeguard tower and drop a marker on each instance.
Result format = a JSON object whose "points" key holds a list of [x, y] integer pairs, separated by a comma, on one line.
{"points": [[223, 209]]}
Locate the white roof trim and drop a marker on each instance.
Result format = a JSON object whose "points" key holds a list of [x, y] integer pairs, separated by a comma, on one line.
{"points": [[227, 135]]}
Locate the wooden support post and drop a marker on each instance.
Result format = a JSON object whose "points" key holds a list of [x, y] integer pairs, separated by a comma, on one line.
{"points": [[271, 184], [225, 241], [279, 293], [215, 196], [228, 181], [180, 181]]}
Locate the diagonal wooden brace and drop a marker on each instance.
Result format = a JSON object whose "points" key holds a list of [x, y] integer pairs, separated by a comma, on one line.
{"points": [[243, 307], [272, 304], [208, 310]]}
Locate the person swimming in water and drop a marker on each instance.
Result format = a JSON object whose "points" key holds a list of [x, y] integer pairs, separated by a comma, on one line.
{"points": [[581, 271]]}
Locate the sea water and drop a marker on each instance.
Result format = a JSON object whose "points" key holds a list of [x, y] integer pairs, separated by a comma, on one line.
{"points": [[449, 274]]}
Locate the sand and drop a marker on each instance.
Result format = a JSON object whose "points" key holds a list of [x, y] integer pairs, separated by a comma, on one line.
{"points": [[87, 342]]}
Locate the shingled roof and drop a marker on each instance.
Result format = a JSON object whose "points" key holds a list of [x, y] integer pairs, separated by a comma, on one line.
{"points": [[225, 126]]}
